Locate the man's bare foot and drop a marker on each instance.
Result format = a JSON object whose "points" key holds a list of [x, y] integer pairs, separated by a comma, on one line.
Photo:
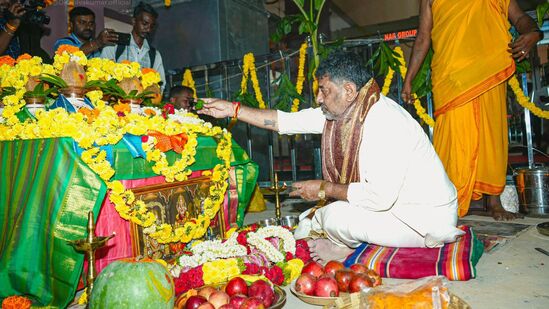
{"points": [[498, 212], [324, 250]]}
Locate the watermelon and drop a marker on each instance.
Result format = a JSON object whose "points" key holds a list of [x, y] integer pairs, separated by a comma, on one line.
{"points": [[133, 284]]}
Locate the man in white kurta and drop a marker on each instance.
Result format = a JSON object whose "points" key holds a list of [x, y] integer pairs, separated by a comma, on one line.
{"points": [[385, 183]]}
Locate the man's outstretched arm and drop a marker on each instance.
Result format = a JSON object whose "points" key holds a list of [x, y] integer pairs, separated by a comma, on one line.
{"points": [[262, 118]]}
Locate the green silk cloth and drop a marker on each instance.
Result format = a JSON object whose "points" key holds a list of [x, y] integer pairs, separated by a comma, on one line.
{"points": [[46, 191]]}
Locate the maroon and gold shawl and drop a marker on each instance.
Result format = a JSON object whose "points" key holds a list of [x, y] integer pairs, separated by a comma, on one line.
{"points": [[341, 138]]}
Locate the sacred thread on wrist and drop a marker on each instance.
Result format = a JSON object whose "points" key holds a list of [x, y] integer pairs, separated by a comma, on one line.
{"points": [[11, 27]]}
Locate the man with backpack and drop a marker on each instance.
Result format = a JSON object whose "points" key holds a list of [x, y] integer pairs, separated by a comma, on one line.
{"points": [[138, 49]]}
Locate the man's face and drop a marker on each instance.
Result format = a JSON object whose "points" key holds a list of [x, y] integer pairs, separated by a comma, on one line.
{"points": [[83, 26], [331, 98], [182, 100], [143, 25], [4, 5]]}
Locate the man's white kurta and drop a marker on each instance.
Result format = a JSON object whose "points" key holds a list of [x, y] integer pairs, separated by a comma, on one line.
{"points": [[404, 197]]}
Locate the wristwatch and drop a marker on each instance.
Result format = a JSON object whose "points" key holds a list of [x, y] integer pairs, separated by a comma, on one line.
{"points": [[322, 192]]}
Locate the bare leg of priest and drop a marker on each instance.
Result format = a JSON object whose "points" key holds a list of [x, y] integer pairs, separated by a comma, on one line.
{"points": [[498, 212], [324, 250]]}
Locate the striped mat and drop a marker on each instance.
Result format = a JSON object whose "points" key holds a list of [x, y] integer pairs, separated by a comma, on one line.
{"points": [[455, 261]]}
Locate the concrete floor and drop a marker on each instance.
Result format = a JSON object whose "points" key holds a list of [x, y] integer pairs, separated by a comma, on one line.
{"points": [[513, 275]]}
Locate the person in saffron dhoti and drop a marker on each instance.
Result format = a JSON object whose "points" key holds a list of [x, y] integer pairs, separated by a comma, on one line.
{"points": [[383, 182], [473, 57]]}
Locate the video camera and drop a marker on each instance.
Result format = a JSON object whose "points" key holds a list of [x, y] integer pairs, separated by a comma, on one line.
{"points": [[33, 12]]}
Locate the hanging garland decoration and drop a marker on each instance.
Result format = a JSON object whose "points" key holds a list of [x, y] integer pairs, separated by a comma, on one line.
{"points": [[524, 101], [167, 3], [421, 112], [248, 71], [300, 76], [189, 81]]}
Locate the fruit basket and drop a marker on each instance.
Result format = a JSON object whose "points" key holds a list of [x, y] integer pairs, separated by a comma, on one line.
{"points": [[278, 302], [315, 300]]}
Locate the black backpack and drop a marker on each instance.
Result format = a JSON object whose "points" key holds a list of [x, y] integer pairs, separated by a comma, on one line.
{"points": [[121, 48]]}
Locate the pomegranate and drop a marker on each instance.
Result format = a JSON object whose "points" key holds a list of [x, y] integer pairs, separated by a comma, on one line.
{"points": [[194, 301], [313, 268], [332, 266], [252, 303], [235, 286], [262, 290], [206, 291], [219, 298], [343, 278], [359, 268], [359, 282], [237, 300], [326, 287], [305, 284], [375, 278]]}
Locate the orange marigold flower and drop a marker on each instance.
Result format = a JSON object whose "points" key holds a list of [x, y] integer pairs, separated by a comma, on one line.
{"points": [[122, 107], [16, 302], [91, 114], [7, 60], [24, 56], [126, 62], [150, 112], [68, 48], [147, 70]]}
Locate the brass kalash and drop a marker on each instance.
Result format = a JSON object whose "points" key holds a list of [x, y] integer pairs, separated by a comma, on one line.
{"points": [[88, 245]]}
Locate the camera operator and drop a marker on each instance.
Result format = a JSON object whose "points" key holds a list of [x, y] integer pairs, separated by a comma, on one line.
{"points": [[139, 48], [10, 19], [82, 21]]}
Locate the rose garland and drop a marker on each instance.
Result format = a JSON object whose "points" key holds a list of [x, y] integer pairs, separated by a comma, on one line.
{"points": [[189, 81], [248, 70], [300, 75], [524, 101]]}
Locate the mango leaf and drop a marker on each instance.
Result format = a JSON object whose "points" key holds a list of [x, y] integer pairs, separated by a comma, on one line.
{"points": [[299, 3], [285, 93], [247, 99], [54, 80], [421, 85], [541, 10], [318, 4], [523, 66]]}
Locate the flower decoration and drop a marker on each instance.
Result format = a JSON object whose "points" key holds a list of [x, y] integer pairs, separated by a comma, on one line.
{"points": [[67, 53], [189, 81], [249, 71], [524, 101], [300, 75]]}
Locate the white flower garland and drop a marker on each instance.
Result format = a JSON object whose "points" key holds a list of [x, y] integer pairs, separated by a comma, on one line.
{"points": [[212, 250], [258, 240]]}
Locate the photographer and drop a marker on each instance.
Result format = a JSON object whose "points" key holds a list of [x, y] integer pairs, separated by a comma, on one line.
{"points": [[82, 21], [138, 48], [10, 19]]}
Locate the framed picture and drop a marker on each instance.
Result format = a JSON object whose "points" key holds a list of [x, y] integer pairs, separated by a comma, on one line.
{"points": [[172, 203]]}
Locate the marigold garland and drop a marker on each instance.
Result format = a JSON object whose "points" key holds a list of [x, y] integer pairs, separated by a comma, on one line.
{"points": [[524, 101], [189, 81], [300, 75], [248, 70]]}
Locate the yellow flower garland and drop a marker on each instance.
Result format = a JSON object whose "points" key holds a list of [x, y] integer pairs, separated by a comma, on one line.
{"points": [[524, 101], [417, 103], [300, 75], [248, 70], [189, 81]]}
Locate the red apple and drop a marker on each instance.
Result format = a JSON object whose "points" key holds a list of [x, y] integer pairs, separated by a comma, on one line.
{"points": [[206, 291], [194, 301], [359, 282], [305, 284], [252, 303], [235, 286], [228, 306], [343, 278], [313, 268], [332, 266], [219, 298], [359, 268], [262, 290], [206, 305], [237, 300], [326, 287]]}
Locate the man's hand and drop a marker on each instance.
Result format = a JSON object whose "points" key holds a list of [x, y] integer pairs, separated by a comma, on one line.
{"points": [[17, 10], [217, 108], [406, 93], [307, 190], [107, 37], [521, 47]]}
